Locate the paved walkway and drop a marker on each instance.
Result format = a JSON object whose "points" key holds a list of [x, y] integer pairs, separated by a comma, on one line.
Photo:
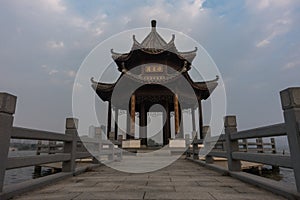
{"points": [[181, 180]]}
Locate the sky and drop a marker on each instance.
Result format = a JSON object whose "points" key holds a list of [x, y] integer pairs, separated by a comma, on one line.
{"points": [[255, 45]]}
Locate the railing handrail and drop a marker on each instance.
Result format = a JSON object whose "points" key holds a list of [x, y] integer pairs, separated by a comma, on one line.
{"points": [[18, 162], [67, 155], [260, 132], [264, 131], [35, 134], [290, 100], [264, 158]]}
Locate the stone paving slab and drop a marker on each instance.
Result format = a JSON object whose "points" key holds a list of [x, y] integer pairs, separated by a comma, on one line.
{"points": [[52, 196], [178, 195], [111, 195], [146, 188], [253, 196], [193, 189], [181, 180]]}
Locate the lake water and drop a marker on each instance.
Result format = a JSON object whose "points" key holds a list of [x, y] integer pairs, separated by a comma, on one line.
{"points": [[287, 176], [22, 174]]}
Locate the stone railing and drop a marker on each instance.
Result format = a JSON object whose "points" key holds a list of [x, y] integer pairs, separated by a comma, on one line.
{"points": [[233, 139], [69, 141]]}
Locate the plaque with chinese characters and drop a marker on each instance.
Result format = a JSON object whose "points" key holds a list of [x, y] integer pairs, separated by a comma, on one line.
{"points": [[153, 69]]}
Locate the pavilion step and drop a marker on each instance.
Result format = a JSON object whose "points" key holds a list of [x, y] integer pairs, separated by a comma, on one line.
{"points": [[154, 153]]}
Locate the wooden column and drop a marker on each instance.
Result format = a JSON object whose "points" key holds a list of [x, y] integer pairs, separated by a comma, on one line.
{"points": [[166, 124], [132, 116], [143, 124], [181, 126], [168, 121], [128, 125], [193, 119], [176, 114], [108, 128], [200, 119], [116, 122]]}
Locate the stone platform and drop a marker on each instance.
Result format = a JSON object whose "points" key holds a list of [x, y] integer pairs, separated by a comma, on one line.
{"points": [[181, 180]]}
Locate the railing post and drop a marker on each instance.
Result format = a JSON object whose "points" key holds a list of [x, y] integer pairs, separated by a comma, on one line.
{"points": [[245, 145], [70, 146], [38, 168], [260, 145], [231, 145], [273, 145], [97, 137], [206, 135], [187, 140], [111, 148], [7, 109], [195, 150], [195, 146], [290, 101]]}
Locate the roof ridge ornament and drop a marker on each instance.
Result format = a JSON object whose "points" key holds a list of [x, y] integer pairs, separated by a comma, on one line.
{"points": [[153, 24], [92, 80]]}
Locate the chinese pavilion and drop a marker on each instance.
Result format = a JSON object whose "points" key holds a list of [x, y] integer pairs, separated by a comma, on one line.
{"points": [[156, 66]]}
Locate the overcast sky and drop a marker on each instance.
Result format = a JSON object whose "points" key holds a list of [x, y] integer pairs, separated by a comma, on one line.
{"points": [[255, 45]]}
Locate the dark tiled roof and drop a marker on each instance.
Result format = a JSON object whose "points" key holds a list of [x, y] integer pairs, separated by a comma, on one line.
{"points": [[155, 44]]}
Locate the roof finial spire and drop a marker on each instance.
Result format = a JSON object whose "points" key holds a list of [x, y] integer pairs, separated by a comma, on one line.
{"points": [[153, 24]]}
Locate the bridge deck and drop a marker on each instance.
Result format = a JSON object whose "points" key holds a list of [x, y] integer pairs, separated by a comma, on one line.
{"points": [[181, 180]]}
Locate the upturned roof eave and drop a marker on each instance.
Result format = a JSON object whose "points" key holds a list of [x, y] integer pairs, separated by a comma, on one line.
{"points": [[154, 44], [104, 90]]}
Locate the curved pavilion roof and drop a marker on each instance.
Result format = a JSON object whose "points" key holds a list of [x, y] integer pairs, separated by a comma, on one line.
{"points": [[153, 44], [202, 89], [154, 49]]}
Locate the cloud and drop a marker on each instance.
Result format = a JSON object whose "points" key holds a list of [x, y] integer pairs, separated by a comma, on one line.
{"points": [[79, 22], [52, 72], [71, 73], [263, 43], [55, 5], [98, 31], [195, 7], [69, 32], [55, 44], [78, 86], [276, 28], [275, 17], [64, 74], [46, 6], [263, 5], [291, 65]]}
